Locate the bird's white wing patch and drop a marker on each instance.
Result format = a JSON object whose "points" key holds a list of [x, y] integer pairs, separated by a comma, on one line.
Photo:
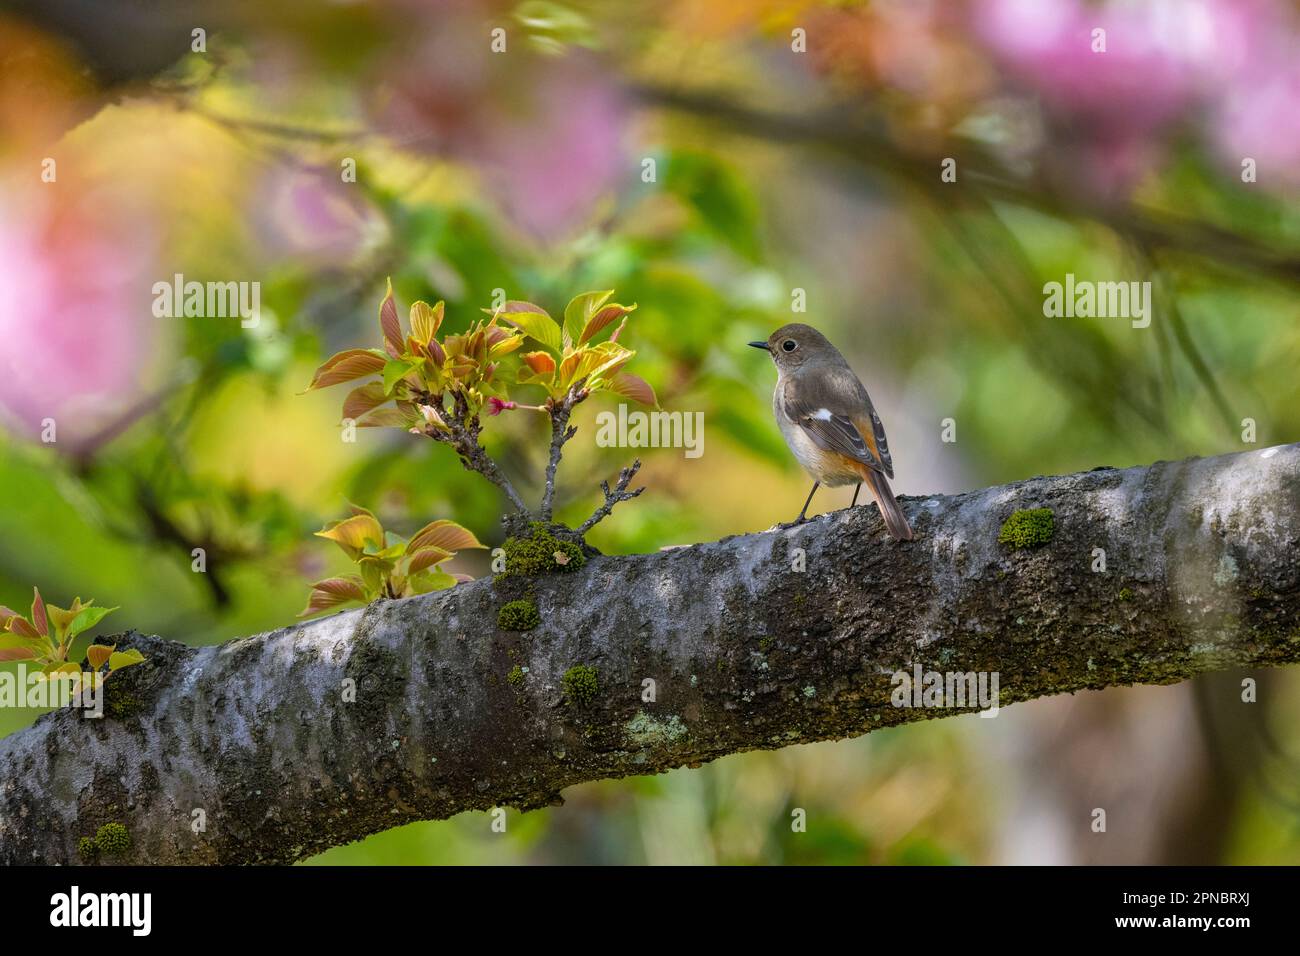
{"points": [[824, 414]]}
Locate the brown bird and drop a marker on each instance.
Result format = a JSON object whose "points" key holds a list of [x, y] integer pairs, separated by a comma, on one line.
{"points": [[828, 421]]}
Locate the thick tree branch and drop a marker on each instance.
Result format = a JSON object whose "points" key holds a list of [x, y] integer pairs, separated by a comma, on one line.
{"points": [[264, 736]]}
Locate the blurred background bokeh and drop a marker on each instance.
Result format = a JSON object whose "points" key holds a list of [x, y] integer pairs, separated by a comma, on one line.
{"points": [[717, 162]]}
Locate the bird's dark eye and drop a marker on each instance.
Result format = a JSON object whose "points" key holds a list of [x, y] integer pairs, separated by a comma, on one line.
{"points": [[789, 345]]}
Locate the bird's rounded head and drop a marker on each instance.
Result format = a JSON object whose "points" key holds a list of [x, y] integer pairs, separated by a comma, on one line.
{"points": [[794, 345]]}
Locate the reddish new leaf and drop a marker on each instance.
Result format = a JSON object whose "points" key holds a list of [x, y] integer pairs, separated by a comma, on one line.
{"points": [[346, 366], [362, 399], [601, 319], [443, 534], [332, 592], [390, 324], [540, 362], [426, 558], [633, 387], [38, 614], [98, 655]]}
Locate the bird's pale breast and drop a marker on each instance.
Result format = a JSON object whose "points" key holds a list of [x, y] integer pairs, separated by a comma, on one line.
{"points": [[824, 466]]}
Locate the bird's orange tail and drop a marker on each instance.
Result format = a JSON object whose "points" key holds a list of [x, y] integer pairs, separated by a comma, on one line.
{"points": [[895, 520]]}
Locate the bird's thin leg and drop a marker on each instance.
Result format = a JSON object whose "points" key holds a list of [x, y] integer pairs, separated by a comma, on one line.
{"points": [[855, 494], [803, 514]]}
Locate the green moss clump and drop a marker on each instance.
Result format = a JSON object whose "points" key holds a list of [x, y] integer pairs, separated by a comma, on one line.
{"points": [[1028, 529], [1126, 594], [122, 705], [516, 676], [112, 838], [518, 615], [541, 553], [580, 685], [87, 848]]}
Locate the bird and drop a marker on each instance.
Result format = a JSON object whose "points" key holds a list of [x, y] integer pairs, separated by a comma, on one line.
{"points": [[828, 421]]}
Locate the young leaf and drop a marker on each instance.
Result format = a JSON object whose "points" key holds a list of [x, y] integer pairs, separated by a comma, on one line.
{"points": [[542, 363], [86, 618], [36, 644], [427, 558], [395, 371], [443, 534], [602, 318], [97, 655], [387, 418], [437, 354], [16, 648], [120, 659], [353, 534], [60, 618], [346, 366], [391, 553], [332, 592], [364, 398], [499, 345], [568, 366], [20, 626], [580, 310], [38, 614], [428, 581], [633, 387], [534, 322], [602, 360], [373, 576], [425, 321], [390, 324]]}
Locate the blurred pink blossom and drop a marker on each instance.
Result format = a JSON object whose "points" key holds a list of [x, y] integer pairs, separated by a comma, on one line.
{"points": [[313, 215], [1165, 62], [1143, 78], [76, 325], [550, 165], [1257, 113], [544, 133]]}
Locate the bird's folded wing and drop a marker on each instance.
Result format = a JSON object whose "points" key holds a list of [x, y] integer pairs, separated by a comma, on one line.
{"points": [[882, 446], [838, 417]]}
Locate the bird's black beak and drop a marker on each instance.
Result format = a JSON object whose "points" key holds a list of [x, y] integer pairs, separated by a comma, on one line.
{"points": [[760, 345]]}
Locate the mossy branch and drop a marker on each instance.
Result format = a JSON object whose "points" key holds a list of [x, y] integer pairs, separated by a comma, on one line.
{"points": [[316, 735]]}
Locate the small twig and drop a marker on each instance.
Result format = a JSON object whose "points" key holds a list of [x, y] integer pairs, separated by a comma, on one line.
{"points": [[620, 493], [461, 432], [560, 433]]}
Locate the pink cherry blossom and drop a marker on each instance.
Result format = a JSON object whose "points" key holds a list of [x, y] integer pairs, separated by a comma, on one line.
{"points": [[76, 324]]}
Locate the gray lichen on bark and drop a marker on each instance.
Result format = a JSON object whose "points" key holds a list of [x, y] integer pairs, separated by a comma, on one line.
{"points": [[267, 738]]}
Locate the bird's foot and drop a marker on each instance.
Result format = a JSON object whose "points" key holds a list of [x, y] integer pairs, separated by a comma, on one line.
{"points": [[787, 525]]}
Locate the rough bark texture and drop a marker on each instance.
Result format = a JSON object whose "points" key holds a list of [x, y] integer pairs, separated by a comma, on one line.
{"points": [[1202, 573]]}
